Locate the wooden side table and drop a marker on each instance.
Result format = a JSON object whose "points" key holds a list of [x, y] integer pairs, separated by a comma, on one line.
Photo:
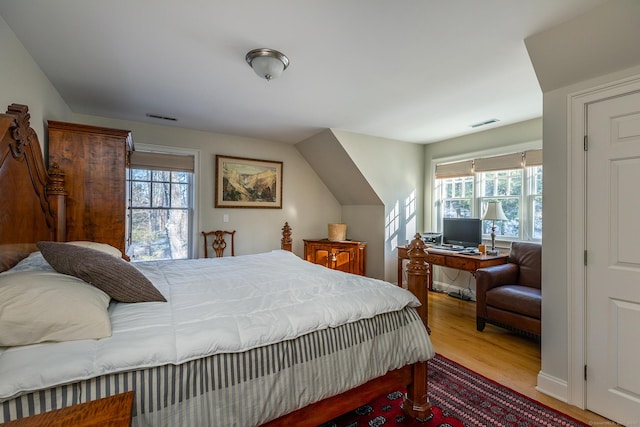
{"points": [[345, 255], [113, 411]]}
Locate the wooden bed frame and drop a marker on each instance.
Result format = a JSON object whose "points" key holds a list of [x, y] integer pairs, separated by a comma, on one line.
{"points": [[32, 202]]}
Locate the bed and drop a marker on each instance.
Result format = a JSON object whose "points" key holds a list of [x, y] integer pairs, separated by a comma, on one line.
{"points": [[226, 341]]}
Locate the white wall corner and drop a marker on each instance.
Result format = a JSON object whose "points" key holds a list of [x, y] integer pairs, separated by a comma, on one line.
{"points": [[552, 386]]}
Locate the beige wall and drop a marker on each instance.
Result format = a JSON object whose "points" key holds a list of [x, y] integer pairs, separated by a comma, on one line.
{"points": [[22, 82], [307, 205], [366, 223], [394, 169], [362, 210]]}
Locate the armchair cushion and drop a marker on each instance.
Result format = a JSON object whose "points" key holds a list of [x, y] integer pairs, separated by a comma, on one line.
{"points": [[517, 299]]}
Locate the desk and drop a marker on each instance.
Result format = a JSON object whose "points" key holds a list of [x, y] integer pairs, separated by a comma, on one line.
{"points": [[451, 259]]}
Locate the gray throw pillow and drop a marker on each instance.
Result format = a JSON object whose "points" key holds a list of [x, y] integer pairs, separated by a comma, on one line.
{"points": [[116, 277]]}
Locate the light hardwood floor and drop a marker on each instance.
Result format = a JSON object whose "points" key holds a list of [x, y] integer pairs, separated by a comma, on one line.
{"points": [[507, 358]]}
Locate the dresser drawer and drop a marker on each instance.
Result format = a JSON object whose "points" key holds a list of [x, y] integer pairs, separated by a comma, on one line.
{"points": [[435, 259], [460, 263]]}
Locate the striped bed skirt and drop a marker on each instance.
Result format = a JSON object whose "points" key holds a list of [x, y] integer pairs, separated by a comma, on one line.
{"points": [[252, 387]]}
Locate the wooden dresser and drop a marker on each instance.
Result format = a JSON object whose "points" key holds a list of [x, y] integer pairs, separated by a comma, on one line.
{"points": [[94, 161], [114, 411], [345, 255]]}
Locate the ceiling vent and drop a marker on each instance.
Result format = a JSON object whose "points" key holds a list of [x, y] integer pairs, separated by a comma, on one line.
{"points": [[157, 116], [486, 122]]}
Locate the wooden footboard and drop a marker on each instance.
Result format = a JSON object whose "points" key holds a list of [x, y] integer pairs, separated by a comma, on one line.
{"points": [[332, 407], [416, 402], [413, 377]]}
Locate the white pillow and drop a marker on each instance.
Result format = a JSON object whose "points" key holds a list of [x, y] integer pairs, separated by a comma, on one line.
{"points": [[35, 261], [102, 247], [38, 306]]}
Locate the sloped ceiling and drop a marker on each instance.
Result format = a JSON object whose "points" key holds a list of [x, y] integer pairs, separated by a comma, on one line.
{"points": [[330, 161], [601, 41]]}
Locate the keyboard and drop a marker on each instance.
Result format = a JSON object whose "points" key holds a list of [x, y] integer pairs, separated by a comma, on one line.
{"points": [[456, 249], [448, 248], [469, 253]]}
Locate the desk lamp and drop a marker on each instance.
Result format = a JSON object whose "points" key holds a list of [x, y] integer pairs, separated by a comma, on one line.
{"points": [[494, 213]]}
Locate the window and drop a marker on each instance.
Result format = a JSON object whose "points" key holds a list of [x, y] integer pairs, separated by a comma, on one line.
{"points": [[457, 198], [504, 187], [160, 206], [463, 189], [534, 202]]}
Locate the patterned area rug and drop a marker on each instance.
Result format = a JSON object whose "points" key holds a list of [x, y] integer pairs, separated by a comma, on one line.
{"points": [[461, 398]]}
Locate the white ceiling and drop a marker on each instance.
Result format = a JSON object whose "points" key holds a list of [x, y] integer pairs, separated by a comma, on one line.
{"points": [[411, 70]]}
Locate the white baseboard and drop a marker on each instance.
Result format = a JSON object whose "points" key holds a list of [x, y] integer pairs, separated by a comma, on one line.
{"points": [[552, 386]]}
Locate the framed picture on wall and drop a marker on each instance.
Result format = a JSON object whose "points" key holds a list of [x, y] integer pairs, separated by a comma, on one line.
{"points": [[248, 183]]}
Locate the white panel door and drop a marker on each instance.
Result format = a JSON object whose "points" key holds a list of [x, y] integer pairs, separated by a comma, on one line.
{"points": [[613, 258]]}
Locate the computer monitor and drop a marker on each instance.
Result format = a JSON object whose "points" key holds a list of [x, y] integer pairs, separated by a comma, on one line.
{"points": [[465, 232]]}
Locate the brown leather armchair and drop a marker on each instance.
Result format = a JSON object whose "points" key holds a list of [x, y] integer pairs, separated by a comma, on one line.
{"points": [[509, 295]]}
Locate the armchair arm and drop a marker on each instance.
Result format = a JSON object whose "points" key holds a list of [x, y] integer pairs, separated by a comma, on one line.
{"points": [[491, 277], [497, 275]]}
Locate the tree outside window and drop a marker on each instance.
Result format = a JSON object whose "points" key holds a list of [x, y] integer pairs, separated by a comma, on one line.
{"points": [[457, 198], [159, 214], [504, 187]]}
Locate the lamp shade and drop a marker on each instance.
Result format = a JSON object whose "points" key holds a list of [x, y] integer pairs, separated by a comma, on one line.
{"points": [[267, 63], [494, 212]]}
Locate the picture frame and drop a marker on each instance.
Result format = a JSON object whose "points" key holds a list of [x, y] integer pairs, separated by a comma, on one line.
{"points": [[241, 182]]}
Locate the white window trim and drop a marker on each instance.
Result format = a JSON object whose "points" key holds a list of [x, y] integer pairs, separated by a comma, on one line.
{"points": [[497, 151], [165, 149]]}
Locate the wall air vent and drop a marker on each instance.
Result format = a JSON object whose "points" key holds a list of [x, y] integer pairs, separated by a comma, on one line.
{"points": [[486, 122], [158, 116]]}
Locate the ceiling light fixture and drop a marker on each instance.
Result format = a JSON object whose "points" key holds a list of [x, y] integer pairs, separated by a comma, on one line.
{"points": [[267, 63]]}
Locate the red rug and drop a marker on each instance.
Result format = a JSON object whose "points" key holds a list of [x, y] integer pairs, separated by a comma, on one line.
{"points": [[461, 398]]}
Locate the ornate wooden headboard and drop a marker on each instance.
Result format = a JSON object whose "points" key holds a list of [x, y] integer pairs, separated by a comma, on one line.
{"points": [[31, 199]]}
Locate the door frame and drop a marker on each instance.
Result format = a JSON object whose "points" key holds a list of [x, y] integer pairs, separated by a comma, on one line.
{"points": [[576, 233]]}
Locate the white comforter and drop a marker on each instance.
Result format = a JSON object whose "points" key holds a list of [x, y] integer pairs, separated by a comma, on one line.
{"points": [[214, 306]]}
